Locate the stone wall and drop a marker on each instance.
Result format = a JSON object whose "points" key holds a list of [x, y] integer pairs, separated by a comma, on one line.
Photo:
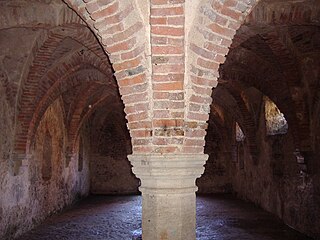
{"points": [[31, 196], [216, 177], [279, 184], [110, 170], [53, 76], [276, 181]]}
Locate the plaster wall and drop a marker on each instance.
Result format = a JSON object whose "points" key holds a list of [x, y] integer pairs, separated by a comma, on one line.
{"points": [[28, 198], [278, 185]]}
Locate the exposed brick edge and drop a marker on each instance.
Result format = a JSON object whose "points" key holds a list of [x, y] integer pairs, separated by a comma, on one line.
{"points": [[214, 28], [292, 75], [35, 88], [64, 82], [299, 13], [271, 87], [74, 135], [167, 22], [248, 124], [122, 33]]}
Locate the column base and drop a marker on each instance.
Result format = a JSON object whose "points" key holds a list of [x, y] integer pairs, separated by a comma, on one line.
{"points": [[168, 194]]}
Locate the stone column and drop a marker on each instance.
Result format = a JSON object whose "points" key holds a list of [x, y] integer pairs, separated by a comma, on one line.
{"points": [[168, 194]]}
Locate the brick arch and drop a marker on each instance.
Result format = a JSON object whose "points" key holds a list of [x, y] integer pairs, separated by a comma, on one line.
{"points": [[81, 115], [257, 52], [43, 50], [269, 89], [122, 32], [293, 13], [210, 37], [218, 122], [258, 69], [26, 88], [41, 59], [223, 128], [309, 32], [68, 79], [282, 47], [53, 80], [69, 82], [218, 128], [11, 17], [98, 104], [286, 71], [299, 12], [238, 111], [223, 99], [104, 112], [227, 102], [249, 69], [248, 124], [72, 96]]}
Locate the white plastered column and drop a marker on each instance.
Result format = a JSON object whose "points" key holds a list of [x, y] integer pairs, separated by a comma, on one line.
{"points": [[168, 194]]}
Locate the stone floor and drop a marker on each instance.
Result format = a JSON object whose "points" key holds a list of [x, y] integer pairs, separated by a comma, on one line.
{"points": [[219, 217]]}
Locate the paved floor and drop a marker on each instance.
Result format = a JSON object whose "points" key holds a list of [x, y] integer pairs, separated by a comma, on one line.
{"points": [[219, 217]]}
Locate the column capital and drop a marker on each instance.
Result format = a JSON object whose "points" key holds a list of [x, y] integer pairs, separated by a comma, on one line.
{"points": [[168, 193], [167, 173]]}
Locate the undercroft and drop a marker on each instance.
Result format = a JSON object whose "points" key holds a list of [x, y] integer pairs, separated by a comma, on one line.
{"points": [[162, 98]]}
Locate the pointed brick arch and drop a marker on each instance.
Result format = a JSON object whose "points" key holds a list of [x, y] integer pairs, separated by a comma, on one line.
{"points": [[42, 55], [211, 35], [271, 86], [13, 16], [120, 29], [299, 13], [43, 17], [38, 80], [285, 86], [81, 115], [64, 80], [236, 89]]}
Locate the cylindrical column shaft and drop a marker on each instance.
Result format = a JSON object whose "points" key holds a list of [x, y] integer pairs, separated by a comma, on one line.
{"points": [[168, 194]]}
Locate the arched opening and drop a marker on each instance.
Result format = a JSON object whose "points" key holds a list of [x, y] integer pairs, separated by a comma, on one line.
{"points": [[110, 144], [263, 86], [239, 133], [57, 83], [275, 120]]}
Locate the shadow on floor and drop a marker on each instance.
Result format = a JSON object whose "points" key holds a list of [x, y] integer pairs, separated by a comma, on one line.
{"points": [[219, 217]]}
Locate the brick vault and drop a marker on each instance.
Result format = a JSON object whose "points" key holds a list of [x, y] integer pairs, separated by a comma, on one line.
{"points": [[96, 94]]}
